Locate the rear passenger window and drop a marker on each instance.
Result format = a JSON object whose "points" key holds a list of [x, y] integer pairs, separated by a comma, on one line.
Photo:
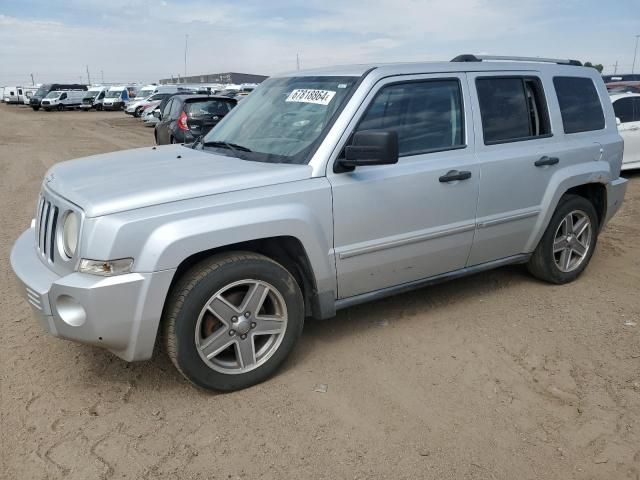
{"points": [[579, 104], [426, 115], [512, 109], [624, 110]]}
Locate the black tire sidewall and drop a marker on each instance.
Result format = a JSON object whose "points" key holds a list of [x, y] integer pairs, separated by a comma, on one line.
{"points": [[187, 356], [567, 205]]}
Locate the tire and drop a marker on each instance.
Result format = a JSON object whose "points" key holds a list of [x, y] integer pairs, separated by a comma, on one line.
{"points": [[550, 261], [245, 348], [60, 107], [172, 140], [35, 109], [137, 112]]}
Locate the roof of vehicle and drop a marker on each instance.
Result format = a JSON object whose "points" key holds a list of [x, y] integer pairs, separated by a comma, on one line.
{"points": [[628, 83], [387, 69], [617, 96], [191, 97]]}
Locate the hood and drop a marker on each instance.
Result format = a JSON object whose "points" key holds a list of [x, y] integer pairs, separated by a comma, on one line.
{"points": [[130, 179]]}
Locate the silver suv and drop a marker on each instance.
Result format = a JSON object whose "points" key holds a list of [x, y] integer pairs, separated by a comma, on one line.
{"points": [[322, 190]]}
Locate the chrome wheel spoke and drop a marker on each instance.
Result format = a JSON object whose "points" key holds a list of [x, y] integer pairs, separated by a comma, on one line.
{"points": [[268, 325], [580, 226], [565, 259], [216, 343], [560, 244], [246, 352], [254, 298], [222, 309], [579, 248]]}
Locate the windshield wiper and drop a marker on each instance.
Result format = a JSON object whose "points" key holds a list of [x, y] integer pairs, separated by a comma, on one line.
{"points": [[227, 145]]}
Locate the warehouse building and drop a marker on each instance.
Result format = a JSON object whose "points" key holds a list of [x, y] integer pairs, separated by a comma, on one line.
{"points": [[229, 77]]}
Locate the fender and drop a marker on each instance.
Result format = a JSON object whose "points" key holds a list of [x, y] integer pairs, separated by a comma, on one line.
{"points": [[561, 181]]}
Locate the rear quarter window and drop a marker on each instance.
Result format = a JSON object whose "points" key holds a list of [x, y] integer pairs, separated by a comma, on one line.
{"points": [[579, 104]]}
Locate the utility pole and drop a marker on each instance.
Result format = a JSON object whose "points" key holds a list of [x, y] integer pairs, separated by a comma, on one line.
{"points": [[298, 60], [88, 76], [102, 75], [32, 80], [635, 52], [615, 68], [186, 41]]}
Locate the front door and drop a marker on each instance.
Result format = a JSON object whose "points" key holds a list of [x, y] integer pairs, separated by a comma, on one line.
{"points": [[401, 223]]}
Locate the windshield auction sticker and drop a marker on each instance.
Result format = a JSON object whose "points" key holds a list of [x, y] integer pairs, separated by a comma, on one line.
{"points": [[306, 95]]}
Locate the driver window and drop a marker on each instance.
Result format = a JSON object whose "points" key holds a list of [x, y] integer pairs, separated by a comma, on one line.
{"points": [[427, 115], [63, 96]]}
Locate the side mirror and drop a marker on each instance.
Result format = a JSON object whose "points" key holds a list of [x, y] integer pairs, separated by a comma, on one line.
{"points": [[618, 122], [371, 147], [157, 114]]}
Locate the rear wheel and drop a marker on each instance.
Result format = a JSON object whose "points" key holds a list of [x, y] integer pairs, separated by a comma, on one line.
{"points": [[568, 243], [232, 320], [60, 107], [35, 109]]}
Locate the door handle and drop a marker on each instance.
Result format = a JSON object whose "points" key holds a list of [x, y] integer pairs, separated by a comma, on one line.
{"points": [[544, 161], [454, 175]]}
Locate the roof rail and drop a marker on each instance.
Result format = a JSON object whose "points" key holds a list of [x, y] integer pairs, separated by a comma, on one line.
{"points": [[480, 58]]}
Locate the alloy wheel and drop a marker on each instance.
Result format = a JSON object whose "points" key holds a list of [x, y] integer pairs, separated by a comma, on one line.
{"points": [[572, 241]]}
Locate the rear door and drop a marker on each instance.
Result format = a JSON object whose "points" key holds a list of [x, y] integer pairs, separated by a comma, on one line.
{"points": [[627, 110], [517, 153]]}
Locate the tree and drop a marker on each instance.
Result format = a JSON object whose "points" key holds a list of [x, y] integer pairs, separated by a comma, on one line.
{"points": [[597, 66]]}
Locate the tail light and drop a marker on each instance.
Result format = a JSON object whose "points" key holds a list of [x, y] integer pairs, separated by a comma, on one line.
{"points": [[182, 122]]}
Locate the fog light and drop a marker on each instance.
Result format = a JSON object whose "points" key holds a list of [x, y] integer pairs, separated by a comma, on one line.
{"points": [[70, 311]]}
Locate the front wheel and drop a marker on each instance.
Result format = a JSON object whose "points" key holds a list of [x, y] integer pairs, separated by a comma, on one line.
{"points": [[568, 243], [232, 320], [60, 107]]}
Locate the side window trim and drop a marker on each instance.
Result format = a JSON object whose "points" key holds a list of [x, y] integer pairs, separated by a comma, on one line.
{"points": [[461, 120], [545, 109]]}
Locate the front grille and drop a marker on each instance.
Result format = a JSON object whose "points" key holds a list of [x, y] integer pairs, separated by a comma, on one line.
{"points": [[46, 225], [45, 102], [87, 101]]}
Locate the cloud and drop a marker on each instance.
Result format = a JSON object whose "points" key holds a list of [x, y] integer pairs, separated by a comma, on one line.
{"points": [[143, 40]]}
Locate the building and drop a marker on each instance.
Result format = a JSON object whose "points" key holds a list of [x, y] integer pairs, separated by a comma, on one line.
{"points": [[229, 77]]}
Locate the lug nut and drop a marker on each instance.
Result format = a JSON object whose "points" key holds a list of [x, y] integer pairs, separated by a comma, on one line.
{"points": [[253, 324], [232, 333], [247, 314], [243, 336], [234, 319]]}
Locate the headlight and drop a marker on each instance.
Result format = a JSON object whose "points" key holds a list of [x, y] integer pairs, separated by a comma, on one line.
{"points": [[70, 231], [106, 268]]}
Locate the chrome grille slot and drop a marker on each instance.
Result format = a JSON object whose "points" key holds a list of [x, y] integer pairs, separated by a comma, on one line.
{"points": [[46, 226]]}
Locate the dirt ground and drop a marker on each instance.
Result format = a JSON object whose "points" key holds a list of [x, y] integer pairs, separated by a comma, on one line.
{"points": [[495, 376]]}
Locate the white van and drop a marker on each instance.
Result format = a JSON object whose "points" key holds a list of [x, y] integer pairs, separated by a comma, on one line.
{"points": [[62, 99], [116, 98], [93, 98]]}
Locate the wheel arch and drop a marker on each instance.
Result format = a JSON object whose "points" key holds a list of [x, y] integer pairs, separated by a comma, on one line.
{"points": [[287, 250]]}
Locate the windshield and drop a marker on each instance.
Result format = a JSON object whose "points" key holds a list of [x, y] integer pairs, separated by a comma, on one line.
{"points": [[282, 120], [143, 94], [91, 94], [54, 94], [43, 90], [113, 94]]}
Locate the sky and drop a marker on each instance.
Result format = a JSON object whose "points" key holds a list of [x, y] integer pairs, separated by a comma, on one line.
{"points": [[144, 40]]}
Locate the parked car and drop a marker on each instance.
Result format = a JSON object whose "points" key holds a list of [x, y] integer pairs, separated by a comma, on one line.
{"points": [[93, 98], [623, 87], [187, 117], [62, 100], [136, 108], [622, 77], [44, 90], [320, 191], [627, 110], [116, 98], [148, 116], [12, 95]]}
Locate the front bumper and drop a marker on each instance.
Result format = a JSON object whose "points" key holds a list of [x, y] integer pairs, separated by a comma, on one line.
{"points": [[616, 190], [113, 106], [119, 313]]}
